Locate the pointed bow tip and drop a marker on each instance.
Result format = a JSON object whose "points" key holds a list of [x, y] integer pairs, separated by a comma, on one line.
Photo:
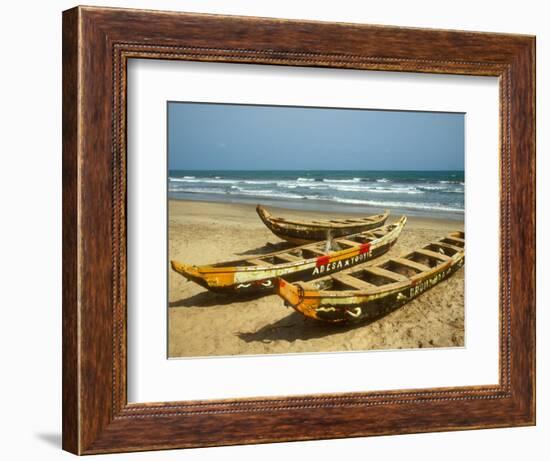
{"points": [[184, 269], [263, 213]]}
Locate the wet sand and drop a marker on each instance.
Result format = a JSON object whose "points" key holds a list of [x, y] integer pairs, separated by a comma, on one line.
{"points": [[202, 323]]}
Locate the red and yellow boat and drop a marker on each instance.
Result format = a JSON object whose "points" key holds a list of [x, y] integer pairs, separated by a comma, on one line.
{"points": [[371, 290], [307, 262]]}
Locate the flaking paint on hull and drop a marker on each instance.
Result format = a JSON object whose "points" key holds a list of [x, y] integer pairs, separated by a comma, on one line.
{"points": [[247, 280], [303, 233], [263, 281], [374, 307], [350, 306]]}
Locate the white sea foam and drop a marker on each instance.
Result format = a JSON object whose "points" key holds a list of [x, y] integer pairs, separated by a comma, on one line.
{"points": [[378, 190], [259, 182], [205, 180], [184, 179], [432, 188], [199, 190], [410, 205], [443, 188], [263, 193], [428, 194], [336, 181]]}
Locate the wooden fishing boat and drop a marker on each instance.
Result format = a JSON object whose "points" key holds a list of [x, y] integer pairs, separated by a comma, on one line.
{"points": [[302, 232], [371, 290], [307, 262]]}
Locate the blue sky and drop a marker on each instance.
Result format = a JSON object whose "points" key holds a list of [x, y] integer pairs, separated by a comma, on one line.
{"points": [[241, 137]]}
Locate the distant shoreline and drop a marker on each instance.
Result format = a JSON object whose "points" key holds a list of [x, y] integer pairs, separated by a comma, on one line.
{"points": [[295, 209], [319, 206]]}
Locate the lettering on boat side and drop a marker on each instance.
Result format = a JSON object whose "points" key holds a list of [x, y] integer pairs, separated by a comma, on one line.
{"points": [[324, 266], [425, 284]]}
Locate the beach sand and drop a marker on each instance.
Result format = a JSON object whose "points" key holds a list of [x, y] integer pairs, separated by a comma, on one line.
{"points": [[202, 323]]}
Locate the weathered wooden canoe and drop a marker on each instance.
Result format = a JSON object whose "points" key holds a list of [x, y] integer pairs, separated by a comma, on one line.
{"points": [[302, 232], [307, 262], [370, 290]]}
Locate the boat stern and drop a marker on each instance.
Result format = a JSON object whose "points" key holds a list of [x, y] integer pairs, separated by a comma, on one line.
{"points": [[295, 296], [400, 224], [383, 217], [292, 294]]}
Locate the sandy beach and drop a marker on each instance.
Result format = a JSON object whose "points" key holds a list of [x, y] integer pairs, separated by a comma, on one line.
{"points": [[202, 323]]}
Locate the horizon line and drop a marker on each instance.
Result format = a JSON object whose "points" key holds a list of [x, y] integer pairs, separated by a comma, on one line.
{"points": [[271, 169]]}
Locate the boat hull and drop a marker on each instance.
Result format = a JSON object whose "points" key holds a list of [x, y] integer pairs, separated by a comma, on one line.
{"points": [[260, 279], [301, 233], [357, 306], [265, 280]]}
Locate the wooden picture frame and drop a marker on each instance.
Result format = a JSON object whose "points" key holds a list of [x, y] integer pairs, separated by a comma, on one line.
{"points": [[97, 43]]}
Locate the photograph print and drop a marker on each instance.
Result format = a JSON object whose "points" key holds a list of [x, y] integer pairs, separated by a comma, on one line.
{"points": [[313, 229]]}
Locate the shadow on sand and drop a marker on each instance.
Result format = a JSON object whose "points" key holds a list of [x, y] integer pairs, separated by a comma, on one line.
{"points": [[295, 326], [268, 248], [210, 299]]}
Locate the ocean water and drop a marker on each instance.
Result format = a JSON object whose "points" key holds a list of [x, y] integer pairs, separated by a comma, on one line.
{"points": [[422, 193]]}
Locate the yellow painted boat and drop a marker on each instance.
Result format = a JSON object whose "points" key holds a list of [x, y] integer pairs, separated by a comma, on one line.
{"points": [[301, 232], [307, 262], [371, 290]]}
